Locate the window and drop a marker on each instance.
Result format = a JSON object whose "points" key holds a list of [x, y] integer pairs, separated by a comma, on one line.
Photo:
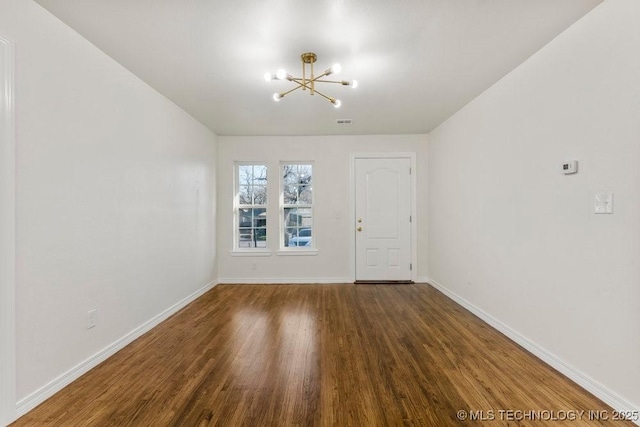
{"points": [[297, 205], [251, 206]]}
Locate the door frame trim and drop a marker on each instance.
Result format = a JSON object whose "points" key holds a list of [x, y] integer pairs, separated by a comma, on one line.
{"points": [[352, 206], [7, 236]]}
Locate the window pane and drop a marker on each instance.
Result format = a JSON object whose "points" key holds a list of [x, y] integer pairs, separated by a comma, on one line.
{"points": [[251, 214], [252, 184], [304, 174], [245, 219], [305, 195], [304, 217], [290, 174], [297, 174], [245, 173], [259, 195], [306, 170], [244, 195], [252, 228], [252, 238], [252, 195], [297, 190], [252, 175], [297, 195], [298, 237], [294, 217], [290, 194], [259, 175], [298, 229], [259, 217]]}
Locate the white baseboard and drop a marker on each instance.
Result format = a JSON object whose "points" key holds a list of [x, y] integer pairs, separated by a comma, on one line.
{"points": [[283, 280], [592, 386], [422, 279], [43, 393]]}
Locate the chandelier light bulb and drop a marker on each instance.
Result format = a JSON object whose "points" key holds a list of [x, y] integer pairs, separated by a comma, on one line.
{"points": [[281, 74], [268, 77], [276, 97], [336, 68], [354, 84], [337, 103]]}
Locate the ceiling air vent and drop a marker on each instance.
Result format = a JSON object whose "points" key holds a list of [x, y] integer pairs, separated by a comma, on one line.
{"points": [[343, 121]]}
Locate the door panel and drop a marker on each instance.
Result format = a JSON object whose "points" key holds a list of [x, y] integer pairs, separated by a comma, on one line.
{"points": [[383, 226]]}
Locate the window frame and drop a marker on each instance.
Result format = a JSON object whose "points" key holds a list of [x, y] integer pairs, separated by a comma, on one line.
{"points": [[296, 250], [237, 206]]}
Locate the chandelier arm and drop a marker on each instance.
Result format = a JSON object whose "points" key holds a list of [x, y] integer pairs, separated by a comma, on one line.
{"points": [[289, 91], [298, 80], [329, 81], [315, 79], [328, 98]]}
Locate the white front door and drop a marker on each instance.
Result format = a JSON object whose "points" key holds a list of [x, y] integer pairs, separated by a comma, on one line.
{"points": [[383, 219]]}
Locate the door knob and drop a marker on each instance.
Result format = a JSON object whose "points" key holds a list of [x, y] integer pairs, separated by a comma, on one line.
{"points": [[359, 219], [359, 228]]}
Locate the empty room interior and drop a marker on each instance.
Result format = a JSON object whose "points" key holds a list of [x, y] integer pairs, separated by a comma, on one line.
{"points": [[319, 213]]}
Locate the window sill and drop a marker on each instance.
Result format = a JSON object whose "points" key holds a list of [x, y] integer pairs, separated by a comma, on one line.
{"points": [[261, 252], [298, 252]]}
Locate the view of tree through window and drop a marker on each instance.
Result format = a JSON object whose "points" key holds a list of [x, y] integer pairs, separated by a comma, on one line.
{"points": [[297, 207], [251, 214]]}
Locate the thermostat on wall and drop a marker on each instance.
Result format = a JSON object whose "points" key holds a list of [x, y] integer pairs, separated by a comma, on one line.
{"points": [[570, 167]]}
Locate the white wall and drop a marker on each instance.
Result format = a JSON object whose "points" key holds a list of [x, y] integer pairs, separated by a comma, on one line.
{"points": [[331, 189], [7, 234], [514, 237], [115, 198]]}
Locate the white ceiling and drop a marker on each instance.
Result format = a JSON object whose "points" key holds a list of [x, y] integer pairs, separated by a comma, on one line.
{"points": [[417, 61]]}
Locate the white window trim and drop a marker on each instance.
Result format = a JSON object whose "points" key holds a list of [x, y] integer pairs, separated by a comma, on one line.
{"points": [[298, 252], [250, 252], [295, 250], [237, 251]]}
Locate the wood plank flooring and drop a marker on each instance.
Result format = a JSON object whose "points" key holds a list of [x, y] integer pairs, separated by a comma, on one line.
{"points": [[320, 355]]}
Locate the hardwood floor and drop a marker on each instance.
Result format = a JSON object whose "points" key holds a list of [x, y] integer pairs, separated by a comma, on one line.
{"points": [[320, 355]]}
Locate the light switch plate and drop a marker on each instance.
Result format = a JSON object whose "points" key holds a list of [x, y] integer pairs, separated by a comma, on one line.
{"points": [[603, 203]]}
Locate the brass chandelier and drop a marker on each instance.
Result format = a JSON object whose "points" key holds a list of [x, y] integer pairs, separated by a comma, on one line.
{"points": [[308, 80]]}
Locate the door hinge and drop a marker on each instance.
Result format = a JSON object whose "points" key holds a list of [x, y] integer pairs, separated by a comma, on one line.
{"points": [[410, 267], [410, 218]]}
